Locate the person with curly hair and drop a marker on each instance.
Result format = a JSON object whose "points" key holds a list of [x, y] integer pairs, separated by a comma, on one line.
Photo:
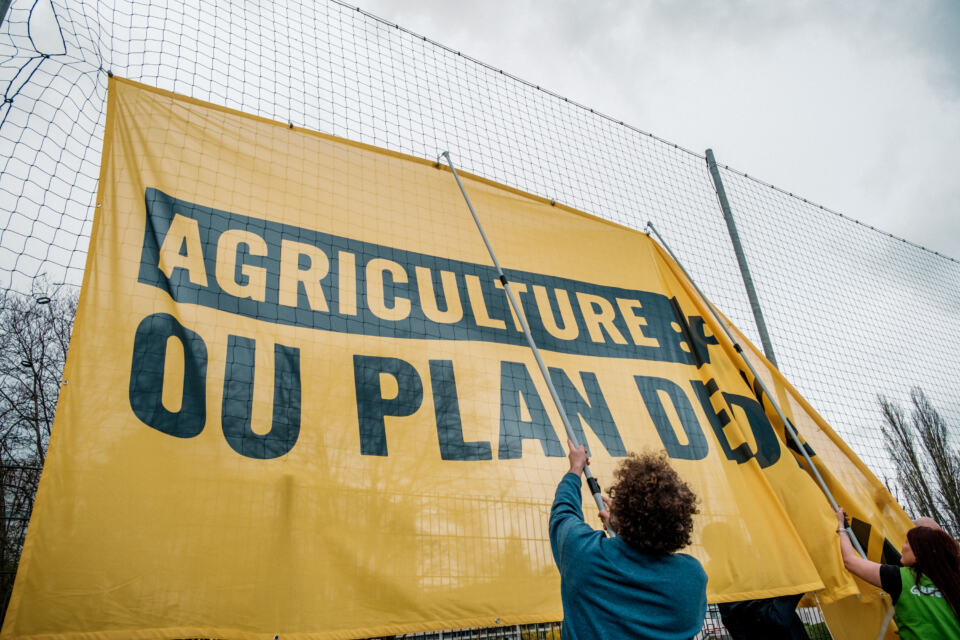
{"points": [[925, 589], [636, 584]]}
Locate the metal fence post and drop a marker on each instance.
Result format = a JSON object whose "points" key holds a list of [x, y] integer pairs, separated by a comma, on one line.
{"points": [[741, 259]]}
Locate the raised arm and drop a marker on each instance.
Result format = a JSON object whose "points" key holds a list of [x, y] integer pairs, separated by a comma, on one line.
{"points": [[569, 534], [567, 503], [861, 567]]}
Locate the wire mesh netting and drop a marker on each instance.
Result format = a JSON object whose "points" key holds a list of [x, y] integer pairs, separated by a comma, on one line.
{"points": [[852, 312]]}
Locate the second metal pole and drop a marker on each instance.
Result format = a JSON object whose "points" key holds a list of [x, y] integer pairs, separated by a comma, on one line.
{"points": [[787, 425]]}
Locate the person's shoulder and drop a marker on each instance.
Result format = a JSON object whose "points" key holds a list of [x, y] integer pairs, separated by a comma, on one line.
{"points": [[685, 558], [685, 561], [586, 545], [687, 576]]}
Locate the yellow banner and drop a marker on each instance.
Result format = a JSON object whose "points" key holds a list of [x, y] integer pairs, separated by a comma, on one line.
{"points": [[297, 403], [876, 518]]}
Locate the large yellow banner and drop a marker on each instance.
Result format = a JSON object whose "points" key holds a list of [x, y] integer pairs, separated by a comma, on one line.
{"points": [[297, 403]]}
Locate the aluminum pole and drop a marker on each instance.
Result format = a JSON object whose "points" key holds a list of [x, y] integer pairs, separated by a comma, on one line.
{"points": [[591, 481]]}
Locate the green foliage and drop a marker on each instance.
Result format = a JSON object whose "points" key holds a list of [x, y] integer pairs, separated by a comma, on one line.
{"points": [[540, 633], [928, 468], [818, 631]]}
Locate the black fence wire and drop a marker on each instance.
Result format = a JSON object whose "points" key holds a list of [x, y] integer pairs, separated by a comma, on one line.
{"points": [[852, 312], [713, 629]]}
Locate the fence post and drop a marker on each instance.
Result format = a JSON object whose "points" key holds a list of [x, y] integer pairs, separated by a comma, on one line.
{"points": [[741, 259]]}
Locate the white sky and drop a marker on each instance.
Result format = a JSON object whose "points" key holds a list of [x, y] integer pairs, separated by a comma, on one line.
{"points": [[853, 105]]}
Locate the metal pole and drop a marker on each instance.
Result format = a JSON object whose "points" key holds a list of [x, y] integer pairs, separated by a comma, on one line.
{"points": [[741, 259], [788, 427], [886, 620], [591, 481]]}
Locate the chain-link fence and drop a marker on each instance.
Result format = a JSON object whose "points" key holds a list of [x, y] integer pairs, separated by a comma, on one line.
{"points": [[713, 629], [852, 312]]}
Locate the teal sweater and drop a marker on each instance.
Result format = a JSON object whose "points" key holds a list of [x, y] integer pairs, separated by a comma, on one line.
{"points": [[612, 591]]}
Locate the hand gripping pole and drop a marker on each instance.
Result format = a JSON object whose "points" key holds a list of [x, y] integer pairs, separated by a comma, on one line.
{"points": [[591, 481], [787, 425]]}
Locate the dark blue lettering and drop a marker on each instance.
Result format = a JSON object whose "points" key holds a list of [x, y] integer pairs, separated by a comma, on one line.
{"points": [[449, 424], [592, 410], [768, 446], [372, 407], [515, 382], [212, 223], [238, 400], [147, 373], [650, 388]]}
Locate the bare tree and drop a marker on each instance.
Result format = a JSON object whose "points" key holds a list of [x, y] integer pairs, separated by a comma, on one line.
{"points": [[928, 469], [34, 334]]}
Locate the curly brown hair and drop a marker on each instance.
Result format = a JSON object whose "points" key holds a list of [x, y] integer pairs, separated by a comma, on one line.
{"points": [[651, 505]]}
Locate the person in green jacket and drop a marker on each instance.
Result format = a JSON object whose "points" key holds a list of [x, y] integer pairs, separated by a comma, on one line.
{"points": [[925, 590]]}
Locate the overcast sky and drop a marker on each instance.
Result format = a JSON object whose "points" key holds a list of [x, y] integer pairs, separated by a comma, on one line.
{"points": [[854, 105]]}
